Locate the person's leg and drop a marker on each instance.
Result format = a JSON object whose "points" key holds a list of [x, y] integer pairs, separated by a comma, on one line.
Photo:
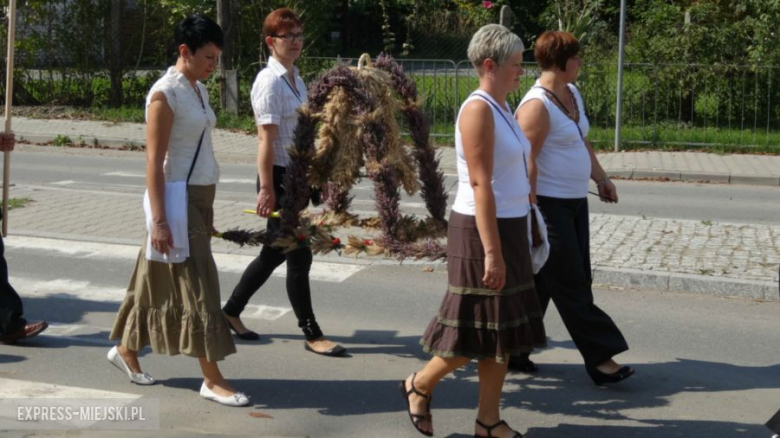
{"points": [[253, 278], [261, 268], [213, 378], [567, 278], [491, 383], [11, 308], [425, 381], [299, 292]]}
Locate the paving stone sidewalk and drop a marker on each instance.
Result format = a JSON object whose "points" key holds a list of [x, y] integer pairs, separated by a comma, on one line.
{"points": [[664, 254]]}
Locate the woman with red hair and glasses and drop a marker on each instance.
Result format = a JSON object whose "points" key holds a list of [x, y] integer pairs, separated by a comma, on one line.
{"points": [[552, 115], [277, 93]]}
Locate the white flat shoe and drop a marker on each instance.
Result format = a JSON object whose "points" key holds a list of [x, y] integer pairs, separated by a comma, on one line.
{"points": [[138, 378], [237, 399]]}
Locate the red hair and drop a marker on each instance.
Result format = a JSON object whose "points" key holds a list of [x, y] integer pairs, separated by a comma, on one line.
{"points": [[280, 20], [554, 48]]}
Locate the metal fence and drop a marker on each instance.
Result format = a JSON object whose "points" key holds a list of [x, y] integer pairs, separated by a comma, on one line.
{"points": [[671, 104]]}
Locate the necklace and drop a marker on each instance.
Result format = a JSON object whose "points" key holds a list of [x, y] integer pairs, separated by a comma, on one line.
{"points": [[200, 96]]}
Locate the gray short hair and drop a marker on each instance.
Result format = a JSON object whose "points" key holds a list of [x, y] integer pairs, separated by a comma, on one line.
{"points": [[493, 41]]}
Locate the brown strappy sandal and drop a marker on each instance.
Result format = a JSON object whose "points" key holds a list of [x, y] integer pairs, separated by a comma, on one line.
{"points": [[489, 429], [416, 419]]}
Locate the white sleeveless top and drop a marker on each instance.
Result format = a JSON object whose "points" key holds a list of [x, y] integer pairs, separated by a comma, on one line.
{"points": [[564, 162], [189, 121], [510, 182]]}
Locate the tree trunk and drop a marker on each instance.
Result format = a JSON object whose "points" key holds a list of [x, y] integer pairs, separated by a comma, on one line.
{"points": [[228, 89], [344, 26], [115, 96]]}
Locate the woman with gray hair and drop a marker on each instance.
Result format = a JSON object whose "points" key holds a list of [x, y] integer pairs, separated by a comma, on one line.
{"points": [[490, 310]]}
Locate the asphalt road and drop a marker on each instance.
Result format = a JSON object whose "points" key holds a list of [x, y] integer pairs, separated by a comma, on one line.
{"points": [[705, 366], [124, 171]]}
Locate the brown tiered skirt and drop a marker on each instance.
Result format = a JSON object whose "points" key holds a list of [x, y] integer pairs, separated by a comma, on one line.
{"points": [[176, 307], [478, 322]]}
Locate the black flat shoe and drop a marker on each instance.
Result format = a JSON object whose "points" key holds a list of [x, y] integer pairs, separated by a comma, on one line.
{"points": [[489, 429], [600, 378], [338, 350], [522, 364], [248, 335]]}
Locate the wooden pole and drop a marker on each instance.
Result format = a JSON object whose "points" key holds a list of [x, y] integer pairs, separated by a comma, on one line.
{"points": [[9, 97]]}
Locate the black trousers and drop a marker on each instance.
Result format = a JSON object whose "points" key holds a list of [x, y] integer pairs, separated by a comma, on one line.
{"points": [[11, 308], [259, 270], [774, 423], [566, 278]]}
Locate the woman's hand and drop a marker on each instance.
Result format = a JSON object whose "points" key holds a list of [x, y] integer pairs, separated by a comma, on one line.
{"points": [[266, 200], [536, 238], [162, 240], [495, 272], [607, 191]]}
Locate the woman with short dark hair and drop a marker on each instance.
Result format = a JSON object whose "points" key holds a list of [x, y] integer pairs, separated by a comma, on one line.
{"points": [[552, 115], [173, 301]]}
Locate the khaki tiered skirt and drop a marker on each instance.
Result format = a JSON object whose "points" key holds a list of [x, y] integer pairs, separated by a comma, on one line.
{"points": [[478, 322], [175, 307]]}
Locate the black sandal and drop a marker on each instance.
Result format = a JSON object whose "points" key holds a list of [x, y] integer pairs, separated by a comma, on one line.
{"points": [[489, 429], [416, 418]]}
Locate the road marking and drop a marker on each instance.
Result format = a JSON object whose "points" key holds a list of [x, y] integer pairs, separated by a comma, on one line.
{"points": [[55, 407], [143, 175], [84, 290], [234, 263], [13, 388], [125, 174], [66, 182], [237, 181]]}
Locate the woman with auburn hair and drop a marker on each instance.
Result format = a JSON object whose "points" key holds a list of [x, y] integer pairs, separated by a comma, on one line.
{"points": [[490, 310], [552, 115], [277, 93], [173, 300]]}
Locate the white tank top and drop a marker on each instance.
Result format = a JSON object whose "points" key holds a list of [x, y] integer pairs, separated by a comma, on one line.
{"points": [[564, 162], [509, 182]]}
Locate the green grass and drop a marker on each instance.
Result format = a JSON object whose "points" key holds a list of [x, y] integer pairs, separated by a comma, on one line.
{"points": [[62, 140], [18, 202], [670, 138], [118, 115], [243, 123]]}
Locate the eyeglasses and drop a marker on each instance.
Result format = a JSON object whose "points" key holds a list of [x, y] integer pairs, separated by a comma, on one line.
{"points": [[290, 37]]}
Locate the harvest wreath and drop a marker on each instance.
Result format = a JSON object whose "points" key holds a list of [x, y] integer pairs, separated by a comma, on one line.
{"points": [[351, 113]]}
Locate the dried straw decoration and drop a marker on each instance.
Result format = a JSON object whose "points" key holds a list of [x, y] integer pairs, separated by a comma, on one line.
{"points": [[351, 114]]}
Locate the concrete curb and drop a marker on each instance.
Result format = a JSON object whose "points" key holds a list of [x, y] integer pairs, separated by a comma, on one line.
{"points": [[113, 142], [715, 177], [689, 283]]}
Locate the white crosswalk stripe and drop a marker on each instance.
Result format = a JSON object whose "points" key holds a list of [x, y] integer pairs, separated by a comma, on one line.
{"points": [[83, 290], [29, 405], [320, 271]]}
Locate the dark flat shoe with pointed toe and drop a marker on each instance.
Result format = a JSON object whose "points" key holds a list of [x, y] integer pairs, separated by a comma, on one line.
{"points": [[338, 350], [248, 335], [600, 378]]}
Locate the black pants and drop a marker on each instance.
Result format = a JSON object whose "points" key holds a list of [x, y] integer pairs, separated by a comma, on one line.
{"points": [[567, 279], [260, 269], [10, 304], [774, 423]]}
